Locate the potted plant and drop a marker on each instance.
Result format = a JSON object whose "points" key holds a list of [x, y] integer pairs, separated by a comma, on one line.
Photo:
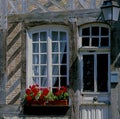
{"points": [[59, 97], [35, 95], [38, 101]]}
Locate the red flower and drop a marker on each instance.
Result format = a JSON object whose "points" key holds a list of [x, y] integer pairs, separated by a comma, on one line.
{"points": [[64, 89], [45, 91], [28, 91], [29, 98]]}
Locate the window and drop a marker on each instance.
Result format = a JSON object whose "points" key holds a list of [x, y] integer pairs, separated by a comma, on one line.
{"points": [[47, 53], [95, 72], [94, 57], [94, 36]]}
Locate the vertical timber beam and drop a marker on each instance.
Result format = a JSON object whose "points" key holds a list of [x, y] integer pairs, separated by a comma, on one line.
{"points": [[3, 14], [24, 6], [71, 5]]}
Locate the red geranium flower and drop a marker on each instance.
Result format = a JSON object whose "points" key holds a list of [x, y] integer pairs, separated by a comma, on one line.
{"points": [[29, 98], [28, 91]]}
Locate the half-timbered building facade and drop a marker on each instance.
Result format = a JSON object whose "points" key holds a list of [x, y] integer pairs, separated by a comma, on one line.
{"points": [[57, 43]]}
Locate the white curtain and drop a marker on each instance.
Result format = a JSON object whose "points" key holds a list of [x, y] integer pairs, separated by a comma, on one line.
{"points": [[61, 48]]}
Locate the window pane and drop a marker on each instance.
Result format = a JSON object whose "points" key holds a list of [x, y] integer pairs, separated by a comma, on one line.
{"points": [[43, 70], [95, 41], [43, 36], [35, 47], [102, 72], [86, 31], [54, 36], [104, 31], [55, 59], [43, 47], [88, 73], [36, 80], [63, 70], [55, 82], [43, 59], [44, 82], [62, 36], [95, 31], [35, 37], [55, 70], [54, 47], [104, 42], [85, 41], [35, 59], [63, 58], [36, 70], [63, 81], [63, 47]]}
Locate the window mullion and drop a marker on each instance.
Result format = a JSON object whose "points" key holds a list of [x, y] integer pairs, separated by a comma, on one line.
{"points": [[90, 43], [95, 73], [59, 56], [49, 60], [99, 36]]}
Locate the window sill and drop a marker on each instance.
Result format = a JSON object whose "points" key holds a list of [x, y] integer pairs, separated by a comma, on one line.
{"points": [[45, 110]]}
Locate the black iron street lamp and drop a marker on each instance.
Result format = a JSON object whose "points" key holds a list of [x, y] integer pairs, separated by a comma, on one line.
{"points": [[110, 10]]}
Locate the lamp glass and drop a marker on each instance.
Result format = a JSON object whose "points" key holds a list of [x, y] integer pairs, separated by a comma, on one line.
{"points": [[107, 12], [110, 10]]}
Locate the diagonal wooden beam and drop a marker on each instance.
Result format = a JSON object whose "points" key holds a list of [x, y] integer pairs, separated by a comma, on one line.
{"points": [[57, 4], [39, 5], [14, 7], [83, 3]]}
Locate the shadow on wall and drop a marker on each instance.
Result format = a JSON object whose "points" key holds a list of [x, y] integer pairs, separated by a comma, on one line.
{"points": [[2, 90], [73, 75]]}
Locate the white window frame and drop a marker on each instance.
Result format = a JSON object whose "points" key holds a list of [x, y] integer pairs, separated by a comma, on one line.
{"points": [[47, 28], [95, 71], [79, 45], [92, 50]]}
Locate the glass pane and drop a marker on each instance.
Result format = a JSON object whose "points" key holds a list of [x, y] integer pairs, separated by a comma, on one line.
{"points": [[55, 59], [43, 58], [35, 47], [63, 70], [43, 47], [36, 70], [55, 70], [102, 73], [95, 31], [54, 47], [63, 36], [54, 36], [35, 59], [63, 81], [43, 70], [36, 80], [86, 31], [104, 31], [95, 41], [63, 47], [88, 72], [43, 36], [44, 82], [85, 41], [35, 37], [104, 42], [63, 58], [55, 81]]}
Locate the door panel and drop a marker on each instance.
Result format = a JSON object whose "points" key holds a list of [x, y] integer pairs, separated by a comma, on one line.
{"points": [[94, 112]]}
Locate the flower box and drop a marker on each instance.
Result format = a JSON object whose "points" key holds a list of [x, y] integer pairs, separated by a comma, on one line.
{"points": [[36, 101], [45, 110], [58, 102]]}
